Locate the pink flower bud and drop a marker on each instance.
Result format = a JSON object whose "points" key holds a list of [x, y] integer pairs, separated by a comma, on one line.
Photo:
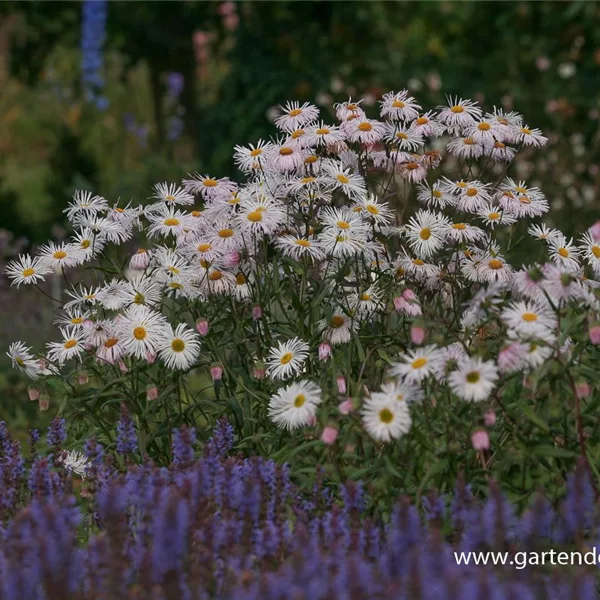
{"points": [[150, 357], [44, 402], [489, 418], [324, 350], [329, 435], [480, 440], [151, 392], [346, 407], [399, 303], [341, 384], [82, 377], [216, 372], [582, 389], [511, 358], [258, 372], [256, 312], [123, 367], [595, 231], [594, 332], [417, 335], [33, 393], [409, 295], [140, 260], [231, 259], [202, 327], [311, 421]]}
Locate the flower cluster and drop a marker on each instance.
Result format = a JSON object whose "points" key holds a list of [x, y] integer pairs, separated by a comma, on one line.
{"points": [[346, 265], [234, 528]]}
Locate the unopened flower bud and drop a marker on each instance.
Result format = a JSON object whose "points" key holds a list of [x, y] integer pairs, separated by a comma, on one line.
{"points": [[341, 384], [151, 392], [216, 372], [311, 421], [140, 260], [82, 377], [582, 389], [489, 418], [202, 327], [231, 259], [346, 407], [324, 350], [123, 367], [44, 402], [480, 440], [329, 435], [150, 357], [417, 335], [33, 393], [256, 312], [595, 231], [594, 332]]}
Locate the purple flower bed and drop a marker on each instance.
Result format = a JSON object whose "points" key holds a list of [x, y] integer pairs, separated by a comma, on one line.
{"points": [[233, 527]]}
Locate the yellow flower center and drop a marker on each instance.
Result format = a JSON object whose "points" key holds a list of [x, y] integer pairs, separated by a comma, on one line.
{"points": [[336, 321], [286, 358], [170, 198], [526, 131], [411, 166], [494, 215], [400, 397], [59, 254], [204, 247], [471, 192], [303, 243], [110, 342], [285, 151], [85, 244], [255, 216], [469, 141], [171, 222], [418, 262], [457, 109], [398, 104], [215, 275], [28, 272], [240, 279], [436, 194], [386, 416], [595, 251], [371, 208], [256, 152], [139, 333], [521, 190], [352, 106], [459, 226], [210, 182], [563, 252], [425, 233], [225, 233], [295, 112], [299, 400], [311, 159], [365, 126], [418, 362], [461, 184], [322, 131], [401, 135], [70, 344], [365, 297], [298, 133], [484, 126], [196, 213], [422, 120], [308, 179], [139, 298], [529, 317], [473, 377], [495, 264], [77, 320], [343, 224], [178, 345], [342, 178], [524, 199], [175, 286], [173, 270], [499, 145]]}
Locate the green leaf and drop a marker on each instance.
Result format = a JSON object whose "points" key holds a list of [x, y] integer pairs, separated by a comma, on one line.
{"points": [[552, 451], [534, 418]]}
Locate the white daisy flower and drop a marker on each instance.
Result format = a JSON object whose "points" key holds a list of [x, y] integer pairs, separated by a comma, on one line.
{"points": [[338, 243], [141, 329], [341, 178], [139, 290], [486, 132], [427, 125], [350, 108], [215, 281], [474, 197], [287, 156], [112, 349], [367, 302], [425, 233], [71, 346], [536, 354], [27, 270], [171, 194], [58, 256], [82, 297], [434, 196], [115, 232], [474, 379], [364, 131], [113, 296], [500, 152], [459, 233], [493, 216], [324, 135], [400, 391], [287, 358], [22, 360], [386, 419], [85, 202], [73, 318], [261, 216], [295, 405], [89, 243], [493, 268], [415, 268], [208, 187], [543, 232], [374, 210], [295, 116], [590, 249], [75, 461], [528, 319], [418, 364], [253, 157], [337, 330], [564, 252], [413, 170], [178, 348], [296, 247], [399, 106], [168, 221], [404, 137], [529, 137], [459, 113], [465, 147]]}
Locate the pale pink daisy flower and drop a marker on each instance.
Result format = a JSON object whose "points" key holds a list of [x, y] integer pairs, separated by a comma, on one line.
{"points": [[427, 125], [399, 106], [465, 147], [170, 193], [564, 252], [512, 358], [413, 170], [286, 157], [543, 232], [459, 113], [324, 135], [475, 196], [350, 108], [529, 137], [500, 152], [338, 329], [461, 232], [208, 187], [494, 216], [434, 196], [253, 157], [296, 115], [415, 268], [364, 131], [404, 137]]}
